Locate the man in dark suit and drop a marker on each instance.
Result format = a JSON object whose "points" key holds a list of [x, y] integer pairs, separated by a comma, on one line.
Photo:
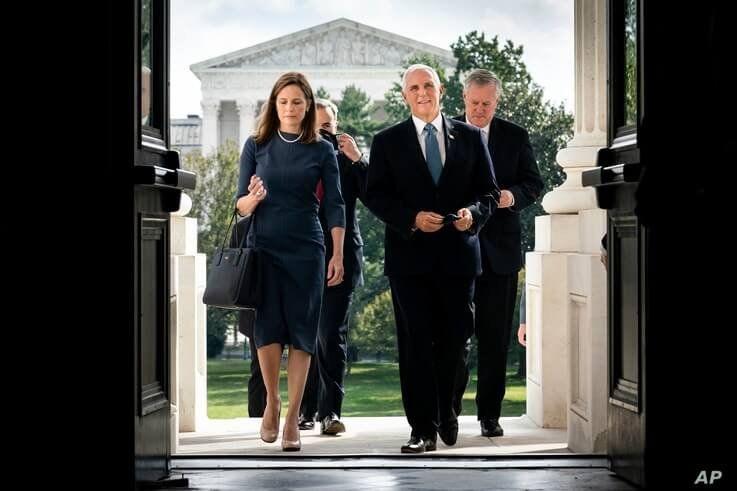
{"points": [[246, 319], [324, 389], [496, 289], [423, 171]]}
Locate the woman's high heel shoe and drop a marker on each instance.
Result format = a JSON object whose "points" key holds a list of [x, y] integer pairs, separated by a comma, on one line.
{"points": [[291, 445], [269, 436]]}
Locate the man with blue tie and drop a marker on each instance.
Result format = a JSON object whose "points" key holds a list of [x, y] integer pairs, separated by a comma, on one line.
{"points": [[432, 183]]}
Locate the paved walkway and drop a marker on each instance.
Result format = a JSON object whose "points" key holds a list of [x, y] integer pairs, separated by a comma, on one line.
{"points": [[371, 436]]}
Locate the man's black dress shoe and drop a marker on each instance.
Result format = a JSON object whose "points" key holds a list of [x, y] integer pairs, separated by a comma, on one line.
{"points": [[331, 425], [448, 431], [417, 444], [305, 423], [490, 427]]}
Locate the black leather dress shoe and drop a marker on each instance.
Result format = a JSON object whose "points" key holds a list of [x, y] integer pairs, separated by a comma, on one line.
{"points": [[418, 444], [448, 431], [331, 425], [305, 423], [490, 427]]}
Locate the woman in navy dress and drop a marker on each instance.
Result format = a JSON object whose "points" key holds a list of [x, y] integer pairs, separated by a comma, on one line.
{"points": [[281, 166]]}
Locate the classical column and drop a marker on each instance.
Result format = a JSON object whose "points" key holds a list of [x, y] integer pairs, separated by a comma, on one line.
{"points": [[189, 346], [210, 117], [247, 114], [566, 283], [590, 123]]}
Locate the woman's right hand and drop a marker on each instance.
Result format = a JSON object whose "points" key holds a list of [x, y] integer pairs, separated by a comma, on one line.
{"points": [[256, 194]]}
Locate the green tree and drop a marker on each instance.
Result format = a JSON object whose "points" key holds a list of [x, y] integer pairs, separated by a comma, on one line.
{"points": [[322, 93], [354, 116], [375, 333], [374, 281], [213, 201]]}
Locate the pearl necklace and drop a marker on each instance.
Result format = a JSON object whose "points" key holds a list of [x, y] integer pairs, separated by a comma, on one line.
{"points": [[289, 141]]}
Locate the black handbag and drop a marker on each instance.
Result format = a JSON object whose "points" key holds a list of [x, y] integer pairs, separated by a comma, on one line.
{"points": [[235, 272]]}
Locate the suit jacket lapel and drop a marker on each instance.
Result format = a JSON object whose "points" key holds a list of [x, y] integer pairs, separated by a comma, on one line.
{"points": [[416, 150], [493, 136], [415, 142], [451, 144]]}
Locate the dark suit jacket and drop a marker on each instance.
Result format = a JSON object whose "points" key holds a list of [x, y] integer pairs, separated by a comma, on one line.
{"points": [[352, 185], [516, 170], [400, 185]]}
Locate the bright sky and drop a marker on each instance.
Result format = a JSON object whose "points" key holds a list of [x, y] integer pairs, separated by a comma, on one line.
{"points": [[202, 29]]}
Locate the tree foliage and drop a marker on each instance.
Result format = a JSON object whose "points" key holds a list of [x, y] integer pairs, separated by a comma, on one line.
{"points": [[375, 334], [213, 201], [322, 93], [354, 116]]}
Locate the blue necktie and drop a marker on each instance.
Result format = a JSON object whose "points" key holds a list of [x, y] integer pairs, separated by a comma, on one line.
{"points": [[432, 153]]}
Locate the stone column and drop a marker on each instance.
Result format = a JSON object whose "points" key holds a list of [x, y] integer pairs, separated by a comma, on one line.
{"points": [[590, 120], [247, 115], [566, 283], [210, 119], [190, 349]]}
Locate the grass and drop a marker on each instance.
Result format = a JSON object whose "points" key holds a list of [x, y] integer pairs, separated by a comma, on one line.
{"points": [[372, 389]]}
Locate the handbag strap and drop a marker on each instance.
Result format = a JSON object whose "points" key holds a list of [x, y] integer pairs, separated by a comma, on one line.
{"points": [[235, 229], [251, 218]]}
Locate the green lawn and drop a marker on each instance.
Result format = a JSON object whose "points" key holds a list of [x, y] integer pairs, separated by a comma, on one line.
{"points": [[372, 389]]}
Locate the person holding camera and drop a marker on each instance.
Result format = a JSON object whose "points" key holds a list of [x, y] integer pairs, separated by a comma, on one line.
{"points": [[324, 390]]}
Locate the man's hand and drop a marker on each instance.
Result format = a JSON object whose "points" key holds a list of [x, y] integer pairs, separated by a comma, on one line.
{"points": [[427, 221], [506, 199], [522, 335], [466, 220], [348, 146]]}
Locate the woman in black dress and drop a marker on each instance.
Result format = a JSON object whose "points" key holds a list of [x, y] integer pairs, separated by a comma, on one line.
{"points": [[281, 166]]}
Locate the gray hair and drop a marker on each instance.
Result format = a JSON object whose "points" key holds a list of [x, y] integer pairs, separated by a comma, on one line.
{"points": [[483, 77], [326, 104], [420, 66]]}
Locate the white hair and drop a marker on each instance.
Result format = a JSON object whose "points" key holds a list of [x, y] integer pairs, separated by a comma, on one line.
{"points": [[483, 77], [420, 66]]}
